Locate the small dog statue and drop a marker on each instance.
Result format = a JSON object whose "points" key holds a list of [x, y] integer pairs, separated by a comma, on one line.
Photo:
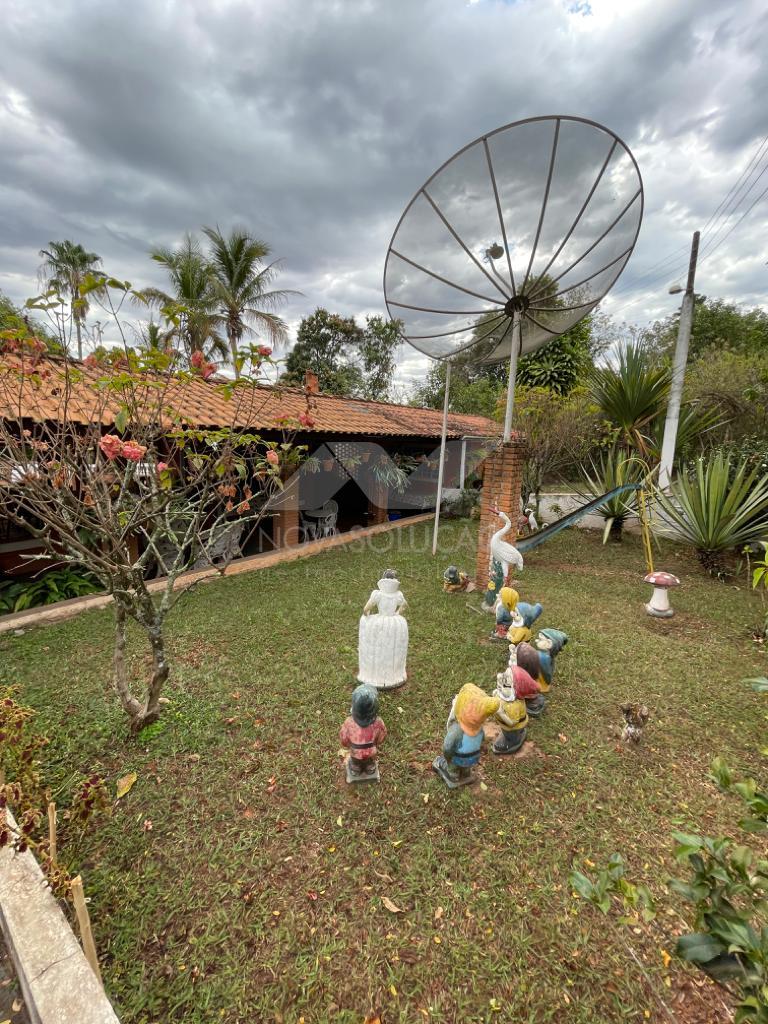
{"points": [[635, 720]]}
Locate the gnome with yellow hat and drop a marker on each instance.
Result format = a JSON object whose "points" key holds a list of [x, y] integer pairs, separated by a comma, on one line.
{"points": [[464, 738], [507, 616]]}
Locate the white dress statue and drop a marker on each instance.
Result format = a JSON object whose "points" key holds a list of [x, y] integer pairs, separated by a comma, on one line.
{"points": [[383, 642]]}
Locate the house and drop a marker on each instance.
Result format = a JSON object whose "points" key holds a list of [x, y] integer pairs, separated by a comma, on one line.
{"points": [[367, 460]]}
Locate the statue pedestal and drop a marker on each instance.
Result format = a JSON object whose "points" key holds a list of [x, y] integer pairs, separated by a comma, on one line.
{"points": [[374, 776], [439, 765]]}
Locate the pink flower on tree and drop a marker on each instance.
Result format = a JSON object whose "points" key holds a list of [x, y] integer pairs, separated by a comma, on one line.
{"points": [[161, 467], [306, 420], [199, 362], [273, 458], [133, 451], [111, 445], [264, 351]]}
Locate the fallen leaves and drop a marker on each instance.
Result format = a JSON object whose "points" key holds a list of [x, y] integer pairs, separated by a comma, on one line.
{"points": [[391, 906], [125, 784]]}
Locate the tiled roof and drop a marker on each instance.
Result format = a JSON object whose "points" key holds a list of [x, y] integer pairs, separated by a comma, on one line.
{"points": [[203, 405]]}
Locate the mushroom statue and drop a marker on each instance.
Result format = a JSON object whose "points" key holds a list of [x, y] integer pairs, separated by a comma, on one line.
{"points": [[659, 604]]}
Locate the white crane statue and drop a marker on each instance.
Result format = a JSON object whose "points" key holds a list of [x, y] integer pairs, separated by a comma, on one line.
{"points": [[504, 552]]}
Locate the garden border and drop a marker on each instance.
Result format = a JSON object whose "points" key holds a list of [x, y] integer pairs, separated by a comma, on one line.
{"points": [[56, 980], [62, 610]]}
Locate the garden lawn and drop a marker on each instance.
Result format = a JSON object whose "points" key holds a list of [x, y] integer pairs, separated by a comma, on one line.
{"points": [[241, 879]]}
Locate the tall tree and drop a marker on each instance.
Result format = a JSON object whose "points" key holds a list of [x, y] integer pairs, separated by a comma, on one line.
{"points": [[193, 305], [716, 324], [477, 386], [242, 283], [322, 345], [377, 347], [65, 267], [349, 360]]}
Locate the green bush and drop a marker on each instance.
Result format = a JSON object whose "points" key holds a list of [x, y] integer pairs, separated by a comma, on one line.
{"points": [[56, 585]]}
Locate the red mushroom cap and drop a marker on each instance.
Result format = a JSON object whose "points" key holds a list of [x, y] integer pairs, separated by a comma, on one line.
{"points": [[662, 579]]}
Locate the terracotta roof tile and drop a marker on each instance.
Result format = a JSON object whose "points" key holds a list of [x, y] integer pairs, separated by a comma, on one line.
{"points": [[203, 405]]}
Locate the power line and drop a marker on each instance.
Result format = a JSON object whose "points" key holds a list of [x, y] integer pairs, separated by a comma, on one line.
{"points": [[741, 218], [629, 285], [735, 187], [713, 242]]}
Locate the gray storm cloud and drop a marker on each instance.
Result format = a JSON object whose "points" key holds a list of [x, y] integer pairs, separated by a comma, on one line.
{"points": [[314, 122]]}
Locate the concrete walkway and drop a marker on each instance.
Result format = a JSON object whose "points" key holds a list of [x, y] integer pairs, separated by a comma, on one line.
{"points": [[67, 609]]}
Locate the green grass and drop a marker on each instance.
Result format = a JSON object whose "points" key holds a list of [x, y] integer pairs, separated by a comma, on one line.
{"points": [[256, 895]]}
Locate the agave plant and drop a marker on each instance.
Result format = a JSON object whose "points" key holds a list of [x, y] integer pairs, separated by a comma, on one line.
{"points": [[613, 469], [716, 506]]}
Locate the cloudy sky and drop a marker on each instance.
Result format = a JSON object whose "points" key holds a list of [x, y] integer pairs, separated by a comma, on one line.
{"points": [[314, 121]]}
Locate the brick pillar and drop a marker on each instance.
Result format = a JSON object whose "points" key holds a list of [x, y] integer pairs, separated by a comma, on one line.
{"points": [[285, 524], [502, 481], [285, 528]]}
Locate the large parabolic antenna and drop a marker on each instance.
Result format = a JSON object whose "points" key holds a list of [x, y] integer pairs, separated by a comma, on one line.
{"points": [[513, 240]]}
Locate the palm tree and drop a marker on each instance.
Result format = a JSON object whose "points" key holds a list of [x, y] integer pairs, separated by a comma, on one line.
{"points": [[242, 285], [152, 337], [194, 302], [65, 268]]}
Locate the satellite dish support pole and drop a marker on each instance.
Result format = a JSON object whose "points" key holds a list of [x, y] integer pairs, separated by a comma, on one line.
{"points": [[513, 356], [442, 456]]}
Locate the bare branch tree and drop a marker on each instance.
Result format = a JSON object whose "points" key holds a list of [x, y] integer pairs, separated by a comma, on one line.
{"points": [[127, 466]]}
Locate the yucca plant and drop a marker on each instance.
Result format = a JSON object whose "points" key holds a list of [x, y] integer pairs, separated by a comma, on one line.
{"points": [[695, 421], [612, 469], [631, 394], [716, 506]]}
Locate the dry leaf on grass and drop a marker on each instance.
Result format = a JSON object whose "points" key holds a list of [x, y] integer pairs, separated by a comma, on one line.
{"points": [[125, 784], [391, 907]]}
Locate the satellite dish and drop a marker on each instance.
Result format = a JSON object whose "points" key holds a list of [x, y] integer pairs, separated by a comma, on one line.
{"points": [[514, 239]]}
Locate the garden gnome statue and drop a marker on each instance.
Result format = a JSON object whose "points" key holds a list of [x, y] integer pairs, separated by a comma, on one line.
{"points": [[526, 669], [507, 616], [548, 644], [495, 583], [454, 580], [362, 733], [383, 637], [512, 715], [528, 614], [464, 738]]}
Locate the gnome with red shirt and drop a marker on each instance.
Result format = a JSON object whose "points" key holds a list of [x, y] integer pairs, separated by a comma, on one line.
{"points": [[362, 733]]}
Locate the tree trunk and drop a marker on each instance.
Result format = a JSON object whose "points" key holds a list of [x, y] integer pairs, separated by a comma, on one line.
{"points": [[79, 332], [233, 349], [128, 702], [160, 671], [139, 714]]}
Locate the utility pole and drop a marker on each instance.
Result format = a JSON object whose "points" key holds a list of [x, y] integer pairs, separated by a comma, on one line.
{"points": [[678, 372]]}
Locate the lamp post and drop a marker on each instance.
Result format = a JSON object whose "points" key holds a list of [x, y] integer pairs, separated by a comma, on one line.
{"points": [[678, 370]]}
